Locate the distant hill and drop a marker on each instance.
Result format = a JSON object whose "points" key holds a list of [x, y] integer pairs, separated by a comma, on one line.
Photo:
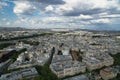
{"points": [[92, 30], [55, 29], [20, 29], [12, 29]]}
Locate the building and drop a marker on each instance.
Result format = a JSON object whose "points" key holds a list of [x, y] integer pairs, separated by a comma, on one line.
{"points": [[62, 69], [23, 73], [79, 77], [92, 63], [108, 73], [4, 65], [97, 62], [61, 58]]}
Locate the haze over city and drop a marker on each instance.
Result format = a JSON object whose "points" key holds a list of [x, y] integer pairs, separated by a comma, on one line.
{"points": [[82, 14]]}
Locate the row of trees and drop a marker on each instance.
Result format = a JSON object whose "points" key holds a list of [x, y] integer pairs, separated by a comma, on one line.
{"points": [[45, 72], [29, 36], [30, 42], [15, 56], [4, 45], [116, 58]]}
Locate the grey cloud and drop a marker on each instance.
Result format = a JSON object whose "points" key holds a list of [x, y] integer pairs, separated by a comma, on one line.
{"points": [[54, 2], [34, 6], [84, 12], [77, 12], [89, 7], [113, 11], [49, 2]]}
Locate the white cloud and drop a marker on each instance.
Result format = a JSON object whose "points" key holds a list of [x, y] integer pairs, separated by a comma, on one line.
{"points": [[24, 7], [29, 6], [111, 16], [70, 8], [85, 16], [49, 8], [74, 13], [52, 22], [8, 23], [86, 7], [62, 9], [2, 4], [101, 21], [52, 19], [4, 19]]}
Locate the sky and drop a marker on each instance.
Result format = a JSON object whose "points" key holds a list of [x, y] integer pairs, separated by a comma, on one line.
{"points": [[82, 14]]}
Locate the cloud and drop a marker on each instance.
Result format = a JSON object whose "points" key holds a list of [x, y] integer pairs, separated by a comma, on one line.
{"points": [[3, 4], [111, 16], [85, 16], [48, 2], [101, 21], [68, 8], [49, 8], [66, 13], [24, 7], [77, 7], [30, 6], [66, 22], [51, 2], [8, 23], [4, 19]]}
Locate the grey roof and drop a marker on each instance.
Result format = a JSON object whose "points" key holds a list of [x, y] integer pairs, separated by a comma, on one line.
{"points": [[80, 77]]}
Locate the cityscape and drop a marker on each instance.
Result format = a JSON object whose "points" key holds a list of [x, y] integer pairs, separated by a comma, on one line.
{"points": [[59, 40], [66, 55]]}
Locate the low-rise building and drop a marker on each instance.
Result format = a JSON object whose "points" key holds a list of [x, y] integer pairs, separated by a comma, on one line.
{"points": [[16, 75], [60, 58], [62, 69], [108, 73], [96, 62], [4, 65], [92, 63], [79, 77]]}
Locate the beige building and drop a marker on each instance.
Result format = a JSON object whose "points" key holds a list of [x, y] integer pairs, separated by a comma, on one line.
{"points": [[108, 73], [93, 63], [62, 69]]}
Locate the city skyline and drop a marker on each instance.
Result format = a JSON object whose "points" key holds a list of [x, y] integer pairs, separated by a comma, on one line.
{"points": [[92, 14]]}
